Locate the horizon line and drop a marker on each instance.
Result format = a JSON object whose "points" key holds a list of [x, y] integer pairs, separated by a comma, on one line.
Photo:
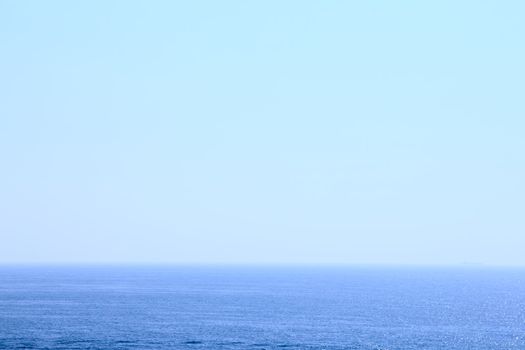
{"points": [[255, 264]]}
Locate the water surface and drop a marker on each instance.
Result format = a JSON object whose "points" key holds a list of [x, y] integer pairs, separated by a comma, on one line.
{"points": [[137, 307]]}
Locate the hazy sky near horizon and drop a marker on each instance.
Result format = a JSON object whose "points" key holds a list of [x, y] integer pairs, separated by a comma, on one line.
{"points": [[262, 132]]}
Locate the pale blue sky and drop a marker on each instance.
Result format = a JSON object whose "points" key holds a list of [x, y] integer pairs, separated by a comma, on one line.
{"points": [[262, 132]]}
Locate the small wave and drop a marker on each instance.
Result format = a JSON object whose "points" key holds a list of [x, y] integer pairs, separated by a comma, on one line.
{"points": [[230, 343]]}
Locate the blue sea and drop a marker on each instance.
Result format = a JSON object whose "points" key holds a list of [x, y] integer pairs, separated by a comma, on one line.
{"points": [[136, 307]]}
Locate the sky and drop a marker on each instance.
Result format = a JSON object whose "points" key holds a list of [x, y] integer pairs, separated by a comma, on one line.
{"points": [[262, 132]]}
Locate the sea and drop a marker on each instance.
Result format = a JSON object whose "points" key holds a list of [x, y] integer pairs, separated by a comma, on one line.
{"points": [[250, 307]]}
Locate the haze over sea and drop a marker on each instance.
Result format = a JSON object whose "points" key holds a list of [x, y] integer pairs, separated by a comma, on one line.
{"points": [[166, 307]]}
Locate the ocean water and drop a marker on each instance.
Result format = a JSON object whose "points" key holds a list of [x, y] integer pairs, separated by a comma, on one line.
{"points": [[261, 308]]}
